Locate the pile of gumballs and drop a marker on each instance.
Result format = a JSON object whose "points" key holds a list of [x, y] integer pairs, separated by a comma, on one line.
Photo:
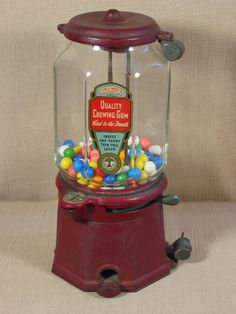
{"points": [[139, 162]]}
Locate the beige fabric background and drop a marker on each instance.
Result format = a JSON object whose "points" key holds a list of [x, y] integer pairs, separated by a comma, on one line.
{"points": [[202, 158]]}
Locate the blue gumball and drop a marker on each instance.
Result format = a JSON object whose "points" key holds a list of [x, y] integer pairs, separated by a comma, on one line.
{"points": [[69, 143], [87, 171], [158, 161], [110, 178], [78, 165], [137, 152], [149, 155], [78, 157], [134, 173]]}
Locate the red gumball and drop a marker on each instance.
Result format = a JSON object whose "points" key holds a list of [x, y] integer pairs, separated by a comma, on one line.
{"points": [[145, 142], [99, 172]]}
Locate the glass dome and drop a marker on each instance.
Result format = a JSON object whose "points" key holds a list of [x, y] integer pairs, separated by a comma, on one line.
{"points": [[111, 115]]}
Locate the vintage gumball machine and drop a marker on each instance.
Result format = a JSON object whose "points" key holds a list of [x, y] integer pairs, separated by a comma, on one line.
{"points": [[112, 84]]}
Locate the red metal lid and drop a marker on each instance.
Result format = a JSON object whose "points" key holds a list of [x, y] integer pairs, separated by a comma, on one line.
{"points": [[113, 28]]}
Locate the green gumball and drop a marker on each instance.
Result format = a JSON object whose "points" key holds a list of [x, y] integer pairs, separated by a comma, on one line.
{"points": [[69, 152], [121, 177]]}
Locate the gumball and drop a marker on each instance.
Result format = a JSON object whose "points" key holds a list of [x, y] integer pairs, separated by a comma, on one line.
{"points": [[78, 165], [143, 157], [139, 147], [137, 152], [144, 177], [94, 185], [121, 177], [83, 181], [62, 149], [77, 149], [110, 178], [87, 171], [149, 167], [122, 154], [155, 149], [98, 179], [66, 163], [145, 142], [134, 173], [153, 173], [124, 168], [158, 161], [136, 140], [94, 155], [130, 140], [78, 157], [131, 162], [93, 164], [69, 143], [149, 155], [130, 152], [99, 172], [72, 172], [69, 152], [139, 163]]}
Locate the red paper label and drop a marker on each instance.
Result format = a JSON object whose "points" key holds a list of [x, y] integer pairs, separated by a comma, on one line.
{"points": [[110, 114]]}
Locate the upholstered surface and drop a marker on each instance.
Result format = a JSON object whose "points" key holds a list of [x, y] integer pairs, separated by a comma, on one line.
{"points": [[202, 118], [206, 283]]}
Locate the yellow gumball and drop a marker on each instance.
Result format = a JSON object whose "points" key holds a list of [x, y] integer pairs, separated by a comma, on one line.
{"points": [[144, 177], [94, 185], [143, 157], [66, 163], [81, 179], [93, 164], [122, 154], [139, 163], [131, 164], [77, 149]]}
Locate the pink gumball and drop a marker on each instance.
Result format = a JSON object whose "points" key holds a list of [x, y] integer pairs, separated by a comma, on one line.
{"points": [[94, 155], [145, 142]]}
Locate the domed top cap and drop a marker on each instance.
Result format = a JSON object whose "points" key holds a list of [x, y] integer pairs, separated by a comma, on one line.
{"points": [[111, 28]]}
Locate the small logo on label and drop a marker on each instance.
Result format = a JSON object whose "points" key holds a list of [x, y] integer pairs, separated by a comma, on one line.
{"points": [[109, 163]]}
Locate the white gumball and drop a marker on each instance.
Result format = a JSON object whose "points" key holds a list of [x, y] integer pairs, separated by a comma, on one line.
{"points": [[136, 141], [130, 140], [149, 167], [125, 168], [153, 173], [62, 149], [155, 149]]}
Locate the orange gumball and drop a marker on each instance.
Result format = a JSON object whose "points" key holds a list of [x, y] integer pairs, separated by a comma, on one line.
{"points": [[72, 172], [97, 179]]}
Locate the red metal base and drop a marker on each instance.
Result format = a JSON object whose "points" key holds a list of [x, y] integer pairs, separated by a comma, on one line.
{"points": [[99, 250]]}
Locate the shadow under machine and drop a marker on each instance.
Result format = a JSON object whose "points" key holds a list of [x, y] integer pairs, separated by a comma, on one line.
{"points": [[112, 81]]}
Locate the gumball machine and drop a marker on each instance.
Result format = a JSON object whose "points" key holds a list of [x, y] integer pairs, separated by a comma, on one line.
{"points": [[112, 85]]}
